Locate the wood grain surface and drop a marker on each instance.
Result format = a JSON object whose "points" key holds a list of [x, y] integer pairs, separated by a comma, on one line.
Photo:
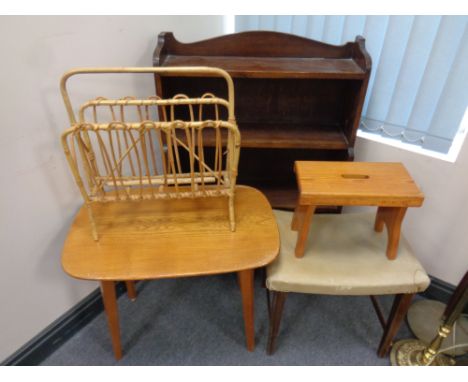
{"points": [[274, 67], [356, 183], [172, 238]]}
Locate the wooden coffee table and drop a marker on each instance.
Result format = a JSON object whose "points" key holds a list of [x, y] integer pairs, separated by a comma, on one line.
{"points": [[385, 185], [173, 238]]}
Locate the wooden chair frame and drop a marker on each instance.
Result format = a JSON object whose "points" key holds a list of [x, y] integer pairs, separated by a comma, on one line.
{"points": [[131, 159], [401, 304]]}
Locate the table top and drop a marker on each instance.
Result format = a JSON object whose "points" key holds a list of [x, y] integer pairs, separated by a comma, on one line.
{"points": [[172, 238], [356, 183]]}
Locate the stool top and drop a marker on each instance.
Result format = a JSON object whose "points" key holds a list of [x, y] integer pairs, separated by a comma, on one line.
{"points": [[345, 257], [356, 183]]}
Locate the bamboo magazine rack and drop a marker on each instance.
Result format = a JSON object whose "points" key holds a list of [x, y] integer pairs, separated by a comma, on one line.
{"points": [[129, 149]]}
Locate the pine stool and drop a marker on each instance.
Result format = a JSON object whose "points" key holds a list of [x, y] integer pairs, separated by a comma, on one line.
{"points": [[385, 185], [346, 257]]}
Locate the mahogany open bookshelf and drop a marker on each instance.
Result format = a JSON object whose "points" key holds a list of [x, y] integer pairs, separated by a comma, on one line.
{"points": [[296, 99]]}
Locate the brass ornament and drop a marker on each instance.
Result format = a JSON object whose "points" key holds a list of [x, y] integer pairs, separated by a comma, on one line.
{"points": [[411, 353]]}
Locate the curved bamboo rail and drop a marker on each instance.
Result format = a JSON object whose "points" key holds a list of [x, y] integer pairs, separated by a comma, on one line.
{"points": [[132, 149]]}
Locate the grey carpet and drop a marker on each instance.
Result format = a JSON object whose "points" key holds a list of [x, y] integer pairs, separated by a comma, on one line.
{"points": [[198, 321]]}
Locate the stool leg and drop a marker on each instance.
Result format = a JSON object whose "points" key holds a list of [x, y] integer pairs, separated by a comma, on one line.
{"points": [[110, 305], [275, 319], [131, 291], [304, 231], [298, 217], [246, 285], [400, 307], [392, 217]]}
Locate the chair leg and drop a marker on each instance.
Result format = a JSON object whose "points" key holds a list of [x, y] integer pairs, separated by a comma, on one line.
{"points": [[110, 305], [263, 273], [400, 307], [275, 319], [378, 311], [131, 291], [246, 285]]}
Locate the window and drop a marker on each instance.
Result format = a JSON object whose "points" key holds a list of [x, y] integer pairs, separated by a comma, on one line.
{"points": [[418, 89]]}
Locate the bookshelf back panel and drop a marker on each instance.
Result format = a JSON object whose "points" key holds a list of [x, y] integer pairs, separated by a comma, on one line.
{"points": [[294, 101]]}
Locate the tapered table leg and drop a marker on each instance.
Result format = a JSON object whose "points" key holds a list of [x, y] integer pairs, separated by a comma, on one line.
{"points": [[110, 304], [246, 285], [131, 291]]}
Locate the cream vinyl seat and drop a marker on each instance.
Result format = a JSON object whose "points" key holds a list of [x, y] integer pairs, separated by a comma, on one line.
{"points": [[344, 256]]}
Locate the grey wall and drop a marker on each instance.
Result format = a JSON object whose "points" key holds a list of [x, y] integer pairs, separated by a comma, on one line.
{"points": [[38, 198], [438, 231]]}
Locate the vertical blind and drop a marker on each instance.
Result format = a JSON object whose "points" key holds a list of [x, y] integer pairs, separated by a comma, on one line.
{"points": [[418, 89]]}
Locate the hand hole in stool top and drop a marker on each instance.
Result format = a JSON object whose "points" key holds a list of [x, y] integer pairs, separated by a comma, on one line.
{"points": [[355, 176]]}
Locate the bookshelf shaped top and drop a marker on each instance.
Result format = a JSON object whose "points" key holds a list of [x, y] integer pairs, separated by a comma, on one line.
{"points": [[257, 55]]}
